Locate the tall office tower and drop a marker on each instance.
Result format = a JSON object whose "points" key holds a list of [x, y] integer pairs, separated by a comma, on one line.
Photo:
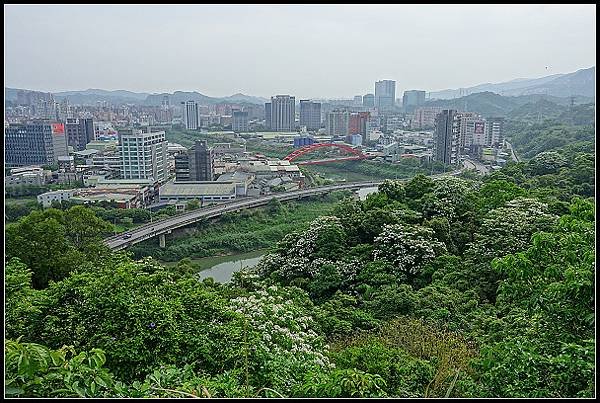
{"points": [[190, 115], [385, 94], [34, 143], [412, 99], [143, 154], [79, 132], [310, 114], [468, 121], [201, 162], [495, 132], [369, 101], [357, 124], [46, 109], [182, 167], [283, 113], [239, 122], [195, 165], [268, 115], [165, 115], [165, 102], [358, 100], [446, 138], [337, 122], [255, 111], [64, 110], [424, 117]]}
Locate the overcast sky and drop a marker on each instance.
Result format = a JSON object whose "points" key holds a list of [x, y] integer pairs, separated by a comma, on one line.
{"points": [[303, 50]]}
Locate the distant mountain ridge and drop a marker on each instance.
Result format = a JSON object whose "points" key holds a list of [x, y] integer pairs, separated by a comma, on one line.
{"points": [[581, 82], [490, 104], [92, 96], [182, 96], [94, 91]]}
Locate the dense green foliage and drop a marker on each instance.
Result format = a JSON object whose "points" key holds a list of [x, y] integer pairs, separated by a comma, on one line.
{"points": [[530, 139], [53, 243], [366, 170], [446, 287], [17, 208]]}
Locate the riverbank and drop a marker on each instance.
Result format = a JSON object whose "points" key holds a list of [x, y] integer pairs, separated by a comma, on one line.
{"points": [[206, 263]]}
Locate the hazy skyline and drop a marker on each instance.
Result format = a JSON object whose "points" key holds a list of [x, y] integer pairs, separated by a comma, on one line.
{"points": [[309, 51]]}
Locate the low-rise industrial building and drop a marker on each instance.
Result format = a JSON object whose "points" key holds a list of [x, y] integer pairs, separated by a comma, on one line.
{"points": [[272, 168], [243, 179], [47, 198], [124, 195], [422, 156], [31, 175], [205, 191]]}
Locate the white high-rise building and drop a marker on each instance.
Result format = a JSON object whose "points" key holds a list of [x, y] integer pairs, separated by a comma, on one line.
{"points": [[283, 113], [446, 137], [424, 117], [471, 129], [495, 132], [385, 94], [190, 115], [143, 154]]}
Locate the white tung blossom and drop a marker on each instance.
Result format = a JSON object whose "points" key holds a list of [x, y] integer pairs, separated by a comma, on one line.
{"points": [[284, 327], [408, 247]]}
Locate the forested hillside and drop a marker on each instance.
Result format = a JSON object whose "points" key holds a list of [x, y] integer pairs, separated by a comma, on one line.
{"points": [[454, 287], [534, 107], [574, 130]]}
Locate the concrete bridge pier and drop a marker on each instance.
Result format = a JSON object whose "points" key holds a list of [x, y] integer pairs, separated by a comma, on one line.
{"points": [[162, 239]]}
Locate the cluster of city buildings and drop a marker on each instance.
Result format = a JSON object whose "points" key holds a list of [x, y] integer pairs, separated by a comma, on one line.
{"points": [[39, 105], [138, 169], [339, 117], [466, 134], [125, 157]]}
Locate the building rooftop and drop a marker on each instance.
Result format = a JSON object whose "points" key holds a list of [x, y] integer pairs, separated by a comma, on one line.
{"points": [[174, 147], [414, 147], [122, 186], [120, 182], [31, 168], [234, 176], [86, 152], [118, 197], [173, 189], [58, 192]]}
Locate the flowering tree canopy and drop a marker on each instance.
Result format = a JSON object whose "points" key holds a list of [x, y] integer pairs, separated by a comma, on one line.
{"points": [[408, 247]]}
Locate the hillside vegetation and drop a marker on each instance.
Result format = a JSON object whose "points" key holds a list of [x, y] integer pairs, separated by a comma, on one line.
{"points": [[526, 107], [447, 287]]}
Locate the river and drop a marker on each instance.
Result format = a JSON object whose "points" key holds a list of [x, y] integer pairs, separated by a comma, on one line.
{"points": [[364, 192], [221, 268]]}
